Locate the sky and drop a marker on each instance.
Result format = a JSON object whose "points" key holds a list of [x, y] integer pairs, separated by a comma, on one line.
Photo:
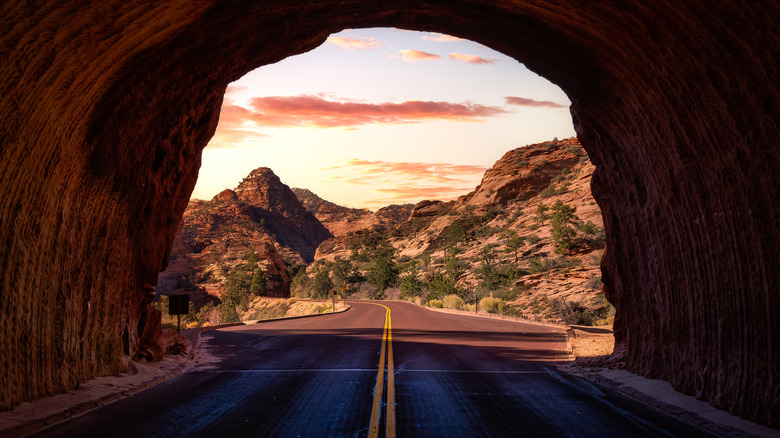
{"points": [[381, 116]]}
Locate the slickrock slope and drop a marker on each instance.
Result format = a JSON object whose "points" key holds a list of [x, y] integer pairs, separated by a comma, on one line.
{"points": [[344, 220], [105, 107], [506, 200], [261, 214]]}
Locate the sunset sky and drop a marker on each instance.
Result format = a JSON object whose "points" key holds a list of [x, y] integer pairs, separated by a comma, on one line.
{"points": [[381, 116]]}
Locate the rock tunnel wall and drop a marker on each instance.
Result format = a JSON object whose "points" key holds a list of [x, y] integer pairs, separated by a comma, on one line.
{"points": [[105, 107]]}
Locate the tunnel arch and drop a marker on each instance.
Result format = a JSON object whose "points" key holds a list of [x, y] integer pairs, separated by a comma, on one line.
{"points": [[106, 107]]}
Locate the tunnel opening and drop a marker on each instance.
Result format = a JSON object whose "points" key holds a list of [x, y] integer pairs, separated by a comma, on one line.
{"points": [[647, 86], [330, 112]]}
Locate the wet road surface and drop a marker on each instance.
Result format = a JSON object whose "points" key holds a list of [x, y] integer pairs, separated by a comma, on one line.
{"points": [[444, 375]]}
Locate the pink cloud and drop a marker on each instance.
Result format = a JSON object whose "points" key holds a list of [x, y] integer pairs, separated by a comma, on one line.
{"points": [[315, 111], [441, 38], [232, 128], [417, 55], [472, 59], [401, 181], [238, 123], [523, 101], [233, 88], [355, 43]]}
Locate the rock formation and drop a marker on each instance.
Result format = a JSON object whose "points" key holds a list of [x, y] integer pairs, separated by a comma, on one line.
{"points": [[506, 201], [262, 215], [344, 220], [282, 214], [105, 108]]}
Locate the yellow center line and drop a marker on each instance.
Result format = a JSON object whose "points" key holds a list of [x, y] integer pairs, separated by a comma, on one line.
{"points": [[387, 339], [390, 429]]}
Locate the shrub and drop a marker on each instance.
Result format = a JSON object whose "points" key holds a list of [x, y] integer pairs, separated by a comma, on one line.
{"points": [[492, 305], [589, 228], [538, 264], [436, 303], [486, 231], [548, 191], [573, 150], [593, 283], [572, 312], [490, 213], [452, 302]]}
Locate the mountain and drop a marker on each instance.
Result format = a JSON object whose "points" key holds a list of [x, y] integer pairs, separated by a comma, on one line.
{"points": [[260, 219], [496, 236], [344, 220], [489, 243]]}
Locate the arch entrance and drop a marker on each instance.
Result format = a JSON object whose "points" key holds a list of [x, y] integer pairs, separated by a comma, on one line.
{"points": [[106, 107]]}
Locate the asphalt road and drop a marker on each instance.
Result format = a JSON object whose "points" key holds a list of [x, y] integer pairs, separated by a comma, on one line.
{"points": [[440, 375]]}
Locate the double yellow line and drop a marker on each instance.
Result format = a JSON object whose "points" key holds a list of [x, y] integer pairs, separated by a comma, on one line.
{"points": [[387, 341]]}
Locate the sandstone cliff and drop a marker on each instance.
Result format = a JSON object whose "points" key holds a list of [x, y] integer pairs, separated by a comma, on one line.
{"points": [[261, 215], [504, 205]]}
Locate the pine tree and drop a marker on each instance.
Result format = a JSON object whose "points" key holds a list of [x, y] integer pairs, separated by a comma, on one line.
{"points": [[322, 284], [541, 213], [513, 242], [258, 283], [383, 273], [561, 220]]}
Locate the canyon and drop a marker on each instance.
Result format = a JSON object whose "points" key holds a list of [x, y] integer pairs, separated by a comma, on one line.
{"points": [[105, 108], [262, 217]]}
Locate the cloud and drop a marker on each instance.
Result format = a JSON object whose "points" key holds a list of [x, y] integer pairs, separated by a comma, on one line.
{"points": [[523, 101], [238, 123], [316, 111], [472, 59], [352, 44], [417, 55], [440, 37], [402, 181], [233, 128], [233, 88]]}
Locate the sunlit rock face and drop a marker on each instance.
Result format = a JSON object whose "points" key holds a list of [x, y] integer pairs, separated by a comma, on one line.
{"points": [[106, 105]]}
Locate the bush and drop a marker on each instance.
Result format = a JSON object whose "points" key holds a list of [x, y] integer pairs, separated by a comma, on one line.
{"points": [[572, 313], [538, 264], [492, 305], [593, 283], [452, 302], [548, 191], [436, 303]]}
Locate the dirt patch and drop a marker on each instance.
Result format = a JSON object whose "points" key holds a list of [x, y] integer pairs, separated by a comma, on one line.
{"points": [[592, 346]]}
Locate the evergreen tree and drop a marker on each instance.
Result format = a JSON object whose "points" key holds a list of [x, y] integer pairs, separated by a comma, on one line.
{"points": [[513, 243], [411, 285], [383, 272], [251, 259], [322, 284], [541, 213], [561, 220], [258, 283], [340, 270], [455, 234]]}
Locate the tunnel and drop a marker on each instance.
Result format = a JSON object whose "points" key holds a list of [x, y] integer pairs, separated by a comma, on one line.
{"points": [[106, 107]]}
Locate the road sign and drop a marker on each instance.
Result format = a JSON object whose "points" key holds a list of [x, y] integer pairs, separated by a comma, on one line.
{"points": [[178, 304]]}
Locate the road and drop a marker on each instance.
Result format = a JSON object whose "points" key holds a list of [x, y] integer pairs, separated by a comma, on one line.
{"points": [[444, 375]]}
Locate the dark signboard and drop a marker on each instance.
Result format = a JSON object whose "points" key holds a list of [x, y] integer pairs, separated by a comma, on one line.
{"points": [[178, 304]]}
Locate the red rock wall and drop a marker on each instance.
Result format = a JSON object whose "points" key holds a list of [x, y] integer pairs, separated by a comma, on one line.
{"points": [[106, 105]]}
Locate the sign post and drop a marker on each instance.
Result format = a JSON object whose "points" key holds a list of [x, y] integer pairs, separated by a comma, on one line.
{"points": [[178, 305]]}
